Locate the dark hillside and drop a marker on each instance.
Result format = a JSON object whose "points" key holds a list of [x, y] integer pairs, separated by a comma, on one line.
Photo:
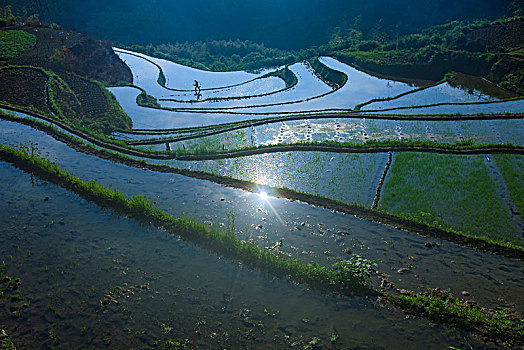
{"points": [[39, 89], [26, 87], [89, 94], [67, 51], [499, 35], [62, 72]]}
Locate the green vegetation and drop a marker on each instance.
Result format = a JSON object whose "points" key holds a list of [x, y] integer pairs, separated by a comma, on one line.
{"points": [[439, 306], [161, 77], [512, 169], [285, 74], [62, 99], [14, 42], [219, 55], [215, 143], [485, 49], [332, 77], [9, 287], [449, 192], [143, 99], [5, 341]]}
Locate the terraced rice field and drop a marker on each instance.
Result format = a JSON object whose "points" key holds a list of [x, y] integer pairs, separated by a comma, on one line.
{"points": [[248, 157]]}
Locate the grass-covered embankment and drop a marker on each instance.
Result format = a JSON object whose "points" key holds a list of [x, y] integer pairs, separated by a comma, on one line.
{"points": [[221, 147], [330, 76], [285, 74], [441, 307], [450, 192], [145, 100], [348, 276]]}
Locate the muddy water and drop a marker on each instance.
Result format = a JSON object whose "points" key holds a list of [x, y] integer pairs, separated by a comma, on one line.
{"points": [[307, 232], [94, 279]]}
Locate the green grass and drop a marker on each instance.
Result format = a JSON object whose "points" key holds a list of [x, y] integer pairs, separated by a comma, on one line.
{"points": [[9, 287], [14, 42], [333, 78], [285, 74], [441, 307], [512, 169], [143, 99], [450, 192]]}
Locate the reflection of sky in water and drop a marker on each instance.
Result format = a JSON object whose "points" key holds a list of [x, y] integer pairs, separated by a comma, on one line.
{"points": [[182, 77], [145, 75], [360, 87], [350, 130], [150, 118], [496, 107], [197, 280], [350, 178], [308, 86], [318, 239], [442, 93]]}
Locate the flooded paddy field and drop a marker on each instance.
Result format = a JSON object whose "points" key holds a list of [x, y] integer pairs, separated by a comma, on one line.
{"points": [[153, 276], [339, 130], [310, 94], [91, 276]]}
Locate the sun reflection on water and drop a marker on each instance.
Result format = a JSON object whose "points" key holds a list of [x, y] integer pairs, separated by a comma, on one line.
{"points": [[263, 195]]}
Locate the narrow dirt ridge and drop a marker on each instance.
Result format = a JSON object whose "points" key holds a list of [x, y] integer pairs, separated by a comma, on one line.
{"points": [[381, 182]]}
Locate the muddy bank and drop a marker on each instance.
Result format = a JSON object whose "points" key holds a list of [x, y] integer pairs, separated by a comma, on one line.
{"points": [[381, 182]]}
